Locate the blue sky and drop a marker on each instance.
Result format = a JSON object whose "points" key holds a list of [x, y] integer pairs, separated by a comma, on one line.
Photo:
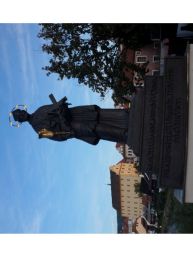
{"points": [[46, 186]]}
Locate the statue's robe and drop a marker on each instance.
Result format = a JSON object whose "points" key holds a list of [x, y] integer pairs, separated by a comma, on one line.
{"points": [[88, 123]]}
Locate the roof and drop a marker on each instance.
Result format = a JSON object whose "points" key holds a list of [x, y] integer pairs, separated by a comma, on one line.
{"points": [[118, 145], [122, 161], [115, 191]]}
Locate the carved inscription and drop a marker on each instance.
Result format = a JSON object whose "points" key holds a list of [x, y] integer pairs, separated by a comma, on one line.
{"points": [[164, 126], [151, 124], [168, 120], [177, 119], [151, 138], [175, 123]]}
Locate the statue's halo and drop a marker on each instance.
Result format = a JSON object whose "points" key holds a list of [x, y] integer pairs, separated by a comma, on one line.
{"points": [[13, 123]]}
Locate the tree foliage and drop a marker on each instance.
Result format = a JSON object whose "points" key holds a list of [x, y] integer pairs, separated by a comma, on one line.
{"points": [[91, 53], [182, 216]]}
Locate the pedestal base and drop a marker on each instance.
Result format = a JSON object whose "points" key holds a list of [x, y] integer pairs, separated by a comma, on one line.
{"points": [[159, 122]]}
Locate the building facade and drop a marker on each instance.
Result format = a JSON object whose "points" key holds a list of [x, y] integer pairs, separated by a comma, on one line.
{"points": [[127, 153], [127, 201], [140, 226], [151, 54]]}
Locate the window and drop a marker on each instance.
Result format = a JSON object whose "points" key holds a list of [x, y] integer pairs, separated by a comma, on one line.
{"points": [[156, 44], [155, 72], [156, 58], [141, 59], [138, 52]]}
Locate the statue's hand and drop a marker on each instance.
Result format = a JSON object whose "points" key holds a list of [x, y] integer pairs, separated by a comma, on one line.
{"points": [[45, 133]]}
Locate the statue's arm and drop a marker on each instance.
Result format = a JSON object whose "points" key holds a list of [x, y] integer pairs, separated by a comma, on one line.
{"points": [[56, 136]]}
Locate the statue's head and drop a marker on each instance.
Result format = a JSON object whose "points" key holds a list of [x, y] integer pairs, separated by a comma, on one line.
{"points": [[20, 115]]}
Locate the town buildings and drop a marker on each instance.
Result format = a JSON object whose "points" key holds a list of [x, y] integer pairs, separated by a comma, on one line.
{"points": [[149, 54], [125, 198], [129, 204], [127, 153], [140, 226]]}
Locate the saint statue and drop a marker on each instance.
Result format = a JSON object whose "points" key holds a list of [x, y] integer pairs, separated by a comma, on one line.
{"points": [[89, 123]]}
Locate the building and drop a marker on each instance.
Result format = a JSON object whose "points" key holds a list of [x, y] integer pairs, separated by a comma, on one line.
{"points": [[123, 106], [122, 224], [127, 153], [125, 199], [140, 226], [149, 57], [151, 54]]}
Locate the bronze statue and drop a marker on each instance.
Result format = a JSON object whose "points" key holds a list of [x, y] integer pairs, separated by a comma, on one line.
{"points": [[89, 123]]}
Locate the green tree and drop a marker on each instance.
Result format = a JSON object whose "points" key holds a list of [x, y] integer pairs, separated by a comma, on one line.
{"points": [[182, 216], [91, 53], [133, 36]]}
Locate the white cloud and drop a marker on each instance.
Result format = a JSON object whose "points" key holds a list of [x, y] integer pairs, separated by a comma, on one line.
{"points": [[107, 153], [6, 67], [28, 219], [62, 88], [28, 223], [101, 216], [88, 97], [107, 102], [24, 44], [34, 226]]}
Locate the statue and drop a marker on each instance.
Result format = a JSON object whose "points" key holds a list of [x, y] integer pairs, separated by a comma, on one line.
{"points": [[89, 123]]}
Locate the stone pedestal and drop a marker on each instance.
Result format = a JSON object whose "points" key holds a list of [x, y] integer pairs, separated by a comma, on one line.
{"points": [[159, 122]]}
